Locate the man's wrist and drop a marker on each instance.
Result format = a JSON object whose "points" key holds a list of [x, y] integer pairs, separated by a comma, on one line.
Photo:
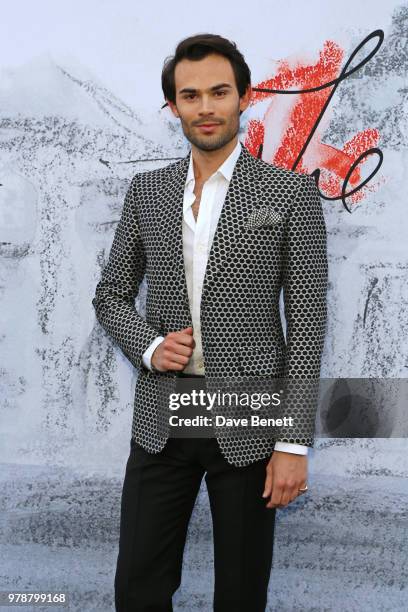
{"points": [[291, 447], [148, 354], [153, 368]]}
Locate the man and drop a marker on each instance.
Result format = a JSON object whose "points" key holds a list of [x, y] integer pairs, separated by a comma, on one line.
{"points": [[218, 235]]}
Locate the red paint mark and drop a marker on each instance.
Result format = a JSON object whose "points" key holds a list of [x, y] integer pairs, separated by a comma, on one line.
{"points": [[300, 114], [255, 134]]}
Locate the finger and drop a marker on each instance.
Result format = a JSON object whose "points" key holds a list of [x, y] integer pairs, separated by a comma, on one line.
{"points": [[290, 492], [187, 331], [175, 349], [268, 484], [173, 361], [286, 497], [183, 340], [176, 363], [180, 355], [276, 496]]}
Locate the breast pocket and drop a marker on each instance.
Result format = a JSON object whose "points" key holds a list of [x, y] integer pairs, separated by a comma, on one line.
{"points": [[263, 216]]}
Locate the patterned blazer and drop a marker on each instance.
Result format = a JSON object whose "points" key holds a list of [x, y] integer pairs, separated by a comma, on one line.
{"points": [[271, 235]]}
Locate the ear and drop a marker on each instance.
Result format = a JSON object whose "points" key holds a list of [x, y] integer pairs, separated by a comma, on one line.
{"points": [[245, 99], [173, 108]]}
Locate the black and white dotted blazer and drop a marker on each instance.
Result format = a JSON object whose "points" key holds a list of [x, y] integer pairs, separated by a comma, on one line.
{"points": [[271, 235]]}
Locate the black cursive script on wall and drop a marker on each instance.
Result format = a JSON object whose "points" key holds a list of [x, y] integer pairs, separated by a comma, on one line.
{"points": [[344, 74]]}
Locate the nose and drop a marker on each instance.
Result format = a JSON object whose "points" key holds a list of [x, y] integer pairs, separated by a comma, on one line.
{"points": [[206, 106]]}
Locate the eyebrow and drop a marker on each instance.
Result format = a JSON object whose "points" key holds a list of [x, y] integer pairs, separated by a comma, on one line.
{"points": [[213, 88]]}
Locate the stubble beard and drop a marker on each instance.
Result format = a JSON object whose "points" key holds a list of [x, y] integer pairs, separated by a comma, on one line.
{"points": [[211, 142]]}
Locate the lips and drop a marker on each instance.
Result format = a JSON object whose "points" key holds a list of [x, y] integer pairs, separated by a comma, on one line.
{"points": [[208, 127]]}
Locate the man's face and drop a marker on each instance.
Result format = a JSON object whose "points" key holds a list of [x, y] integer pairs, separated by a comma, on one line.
{"points": [[206, 93]]}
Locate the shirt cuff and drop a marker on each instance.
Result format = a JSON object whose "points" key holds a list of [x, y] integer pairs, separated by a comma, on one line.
{"points": [[147, 355], [289, 447]]}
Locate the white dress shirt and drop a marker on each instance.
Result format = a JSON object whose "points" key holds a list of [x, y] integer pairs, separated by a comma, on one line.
{"points": [[197, 239]]}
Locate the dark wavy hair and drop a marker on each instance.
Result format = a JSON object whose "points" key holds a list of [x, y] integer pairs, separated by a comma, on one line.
{"points": [[197, 47]]}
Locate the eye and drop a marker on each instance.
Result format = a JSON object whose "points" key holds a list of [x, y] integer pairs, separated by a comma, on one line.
{"points": [[189, 96], [220, 92]]}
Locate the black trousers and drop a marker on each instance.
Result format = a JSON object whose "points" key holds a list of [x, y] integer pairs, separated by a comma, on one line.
{"points": [[159, 492]]}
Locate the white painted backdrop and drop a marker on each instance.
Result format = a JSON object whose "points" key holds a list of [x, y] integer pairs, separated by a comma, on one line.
{"points": [[80, 97]]}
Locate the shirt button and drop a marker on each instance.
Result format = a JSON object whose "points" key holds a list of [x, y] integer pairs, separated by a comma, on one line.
{"points": [[200, 363]]}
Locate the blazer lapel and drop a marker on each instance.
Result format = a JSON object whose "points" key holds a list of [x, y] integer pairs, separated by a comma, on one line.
{"points": [[244, 191], [169, 203]]}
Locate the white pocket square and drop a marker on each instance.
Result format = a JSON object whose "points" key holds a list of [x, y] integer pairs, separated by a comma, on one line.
{"points": [[264, 215]]}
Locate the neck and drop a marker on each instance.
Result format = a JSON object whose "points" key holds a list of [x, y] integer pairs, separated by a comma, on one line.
{"points": [[205, 163]]}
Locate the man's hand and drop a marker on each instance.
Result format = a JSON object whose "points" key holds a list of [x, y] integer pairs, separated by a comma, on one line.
{"points": [[174, 352], [286, 473]]}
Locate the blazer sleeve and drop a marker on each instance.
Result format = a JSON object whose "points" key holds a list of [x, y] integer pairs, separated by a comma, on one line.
{"points": [[115, 293], [305, 276]]}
